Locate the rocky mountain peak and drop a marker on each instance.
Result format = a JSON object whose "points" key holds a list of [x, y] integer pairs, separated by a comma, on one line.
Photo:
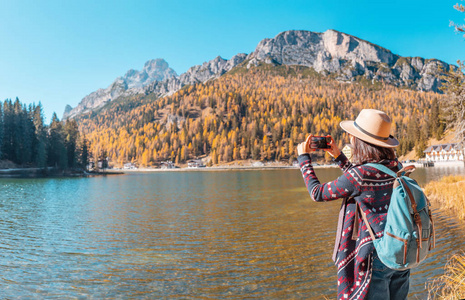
{"points": [[68, 108], [156, 77], [196, 74], [158, 69], [348, 57], [154, 70], [133, 82], [317, 50]]}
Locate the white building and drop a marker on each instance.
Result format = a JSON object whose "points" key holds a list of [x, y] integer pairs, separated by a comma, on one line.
{"points": [[444, 152], [167, 165], [195, 163], [129, 166]]}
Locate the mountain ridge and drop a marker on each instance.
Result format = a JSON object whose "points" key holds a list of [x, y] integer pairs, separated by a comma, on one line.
{"points": [[332, 53]]}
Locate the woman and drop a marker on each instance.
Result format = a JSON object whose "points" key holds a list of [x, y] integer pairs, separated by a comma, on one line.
{"points": [[361, 275]]}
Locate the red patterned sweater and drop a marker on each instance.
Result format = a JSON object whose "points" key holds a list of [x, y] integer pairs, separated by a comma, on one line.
{"points": [[372, 190]]}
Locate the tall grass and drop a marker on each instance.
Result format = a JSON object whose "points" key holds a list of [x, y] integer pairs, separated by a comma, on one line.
{"points": [[451, 285], [449, 193]]}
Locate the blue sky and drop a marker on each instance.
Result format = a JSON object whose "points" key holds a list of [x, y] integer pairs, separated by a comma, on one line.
{"points": [[57, 52]]}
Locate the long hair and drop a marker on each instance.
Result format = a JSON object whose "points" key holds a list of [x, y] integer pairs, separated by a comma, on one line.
{"points": [[364, 152]]}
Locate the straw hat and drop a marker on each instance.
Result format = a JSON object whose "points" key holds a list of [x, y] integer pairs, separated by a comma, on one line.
{"points": [[372, 126]]}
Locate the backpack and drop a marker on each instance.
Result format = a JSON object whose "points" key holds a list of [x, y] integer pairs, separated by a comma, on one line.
{"points": [[409, 230]]}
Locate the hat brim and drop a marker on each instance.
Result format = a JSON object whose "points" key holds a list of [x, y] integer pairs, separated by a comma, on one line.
{"points": [[349, 127]]}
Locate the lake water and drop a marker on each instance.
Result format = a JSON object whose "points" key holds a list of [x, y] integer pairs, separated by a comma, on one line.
{"points": [[187, 235]]}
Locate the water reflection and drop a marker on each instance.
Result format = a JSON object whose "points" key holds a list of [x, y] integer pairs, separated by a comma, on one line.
{"points": [[178, 234], [425, 175]]}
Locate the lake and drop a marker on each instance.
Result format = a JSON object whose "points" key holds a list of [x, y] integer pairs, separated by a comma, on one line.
{"points": [[189, 235]]}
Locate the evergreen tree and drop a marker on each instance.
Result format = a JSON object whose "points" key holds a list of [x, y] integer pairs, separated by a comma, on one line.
{"points": [[57, 155], [28, 136], [40, 149], [71, 134], [18, 130], [8, 133], [84, 153], [103, 159], [1, 132]]}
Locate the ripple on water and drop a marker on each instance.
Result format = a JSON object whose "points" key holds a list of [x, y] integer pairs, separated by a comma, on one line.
{"points": [[180, 235]]}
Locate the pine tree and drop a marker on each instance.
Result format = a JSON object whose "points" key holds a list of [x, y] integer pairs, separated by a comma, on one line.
{"points": [[40, 149], [102, 160], [1, 132], [71, 134], [8, 125], [29, 138], [83, 153], [57, 154]]}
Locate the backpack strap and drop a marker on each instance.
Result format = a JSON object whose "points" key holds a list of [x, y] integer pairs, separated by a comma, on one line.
{"points": [[365, 219], [356, 222], [358, 212], [405, 171], [383, 169]]}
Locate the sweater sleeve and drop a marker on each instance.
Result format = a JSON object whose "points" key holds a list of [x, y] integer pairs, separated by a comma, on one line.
{"points": [[343, 162], [343, 187]]}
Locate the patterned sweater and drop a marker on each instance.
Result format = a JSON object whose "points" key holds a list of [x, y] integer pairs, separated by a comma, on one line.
{"points": [[371, 189]]}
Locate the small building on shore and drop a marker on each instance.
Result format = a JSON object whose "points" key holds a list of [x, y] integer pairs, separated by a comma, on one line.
{"points": [[167, 165], [444, 152], [129, 166], [195, 163]]}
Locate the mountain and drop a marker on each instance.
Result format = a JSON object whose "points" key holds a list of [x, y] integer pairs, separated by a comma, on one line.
{"points": [[260, 113], [347, 57], [155, 78], [335, 54], [197, 74], [133, 82]]}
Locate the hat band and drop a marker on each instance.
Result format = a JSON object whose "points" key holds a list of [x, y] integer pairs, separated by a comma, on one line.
{"points": [[370, 134]]}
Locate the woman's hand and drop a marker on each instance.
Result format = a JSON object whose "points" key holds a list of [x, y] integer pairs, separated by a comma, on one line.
{"points": [[304, 147], [334, 150]]}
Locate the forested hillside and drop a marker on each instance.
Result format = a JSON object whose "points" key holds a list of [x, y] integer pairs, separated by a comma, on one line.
{"points": [[260, 113]]}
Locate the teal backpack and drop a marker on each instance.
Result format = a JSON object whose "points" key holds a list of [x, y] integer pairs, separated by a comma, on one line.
{"points": [[409, 232]]}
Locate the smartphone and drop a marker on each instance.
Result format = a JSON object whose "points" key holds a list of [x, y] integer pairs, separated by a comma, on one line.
{"points": [[320, 142]]}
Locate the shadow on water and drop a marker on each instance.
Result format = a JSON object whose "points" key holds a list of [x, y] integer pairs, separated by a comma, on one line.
{"points": [[253, 234]]}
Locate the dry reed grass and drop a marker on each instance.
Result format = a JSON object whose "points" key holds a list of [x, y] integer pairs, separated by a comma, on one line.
{"points": [[451, 285], [449, 193]]}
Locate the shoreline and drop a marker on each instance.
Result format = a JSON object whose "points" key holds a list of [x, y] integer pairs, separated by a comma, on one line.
{"points": [[222, 168], [50, 172], [269, 167], [439, 164], [204, 169], [272, 166]]}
